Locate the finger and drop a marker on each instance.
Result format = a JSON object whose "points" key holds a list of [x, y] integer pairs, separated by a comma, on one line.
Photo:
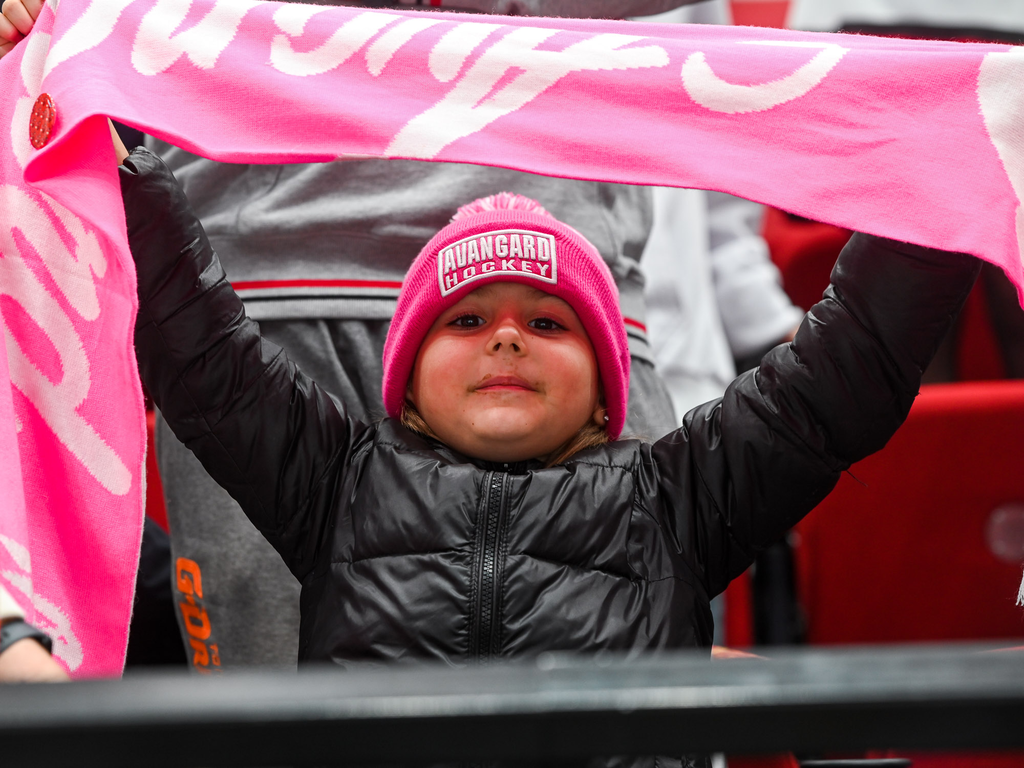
{"points": [[5, 48], [8, 32], [34, 7], [119, 148], [18, 15]]}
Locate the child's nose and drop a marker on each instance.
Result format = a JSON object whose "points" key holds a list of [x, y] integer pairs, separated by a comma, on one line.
{"points": [[507, 335]]}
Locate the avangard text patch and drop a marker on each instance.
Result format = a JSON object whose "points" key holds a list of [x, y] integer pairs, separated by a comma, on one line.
{"points": [[520, 251]]}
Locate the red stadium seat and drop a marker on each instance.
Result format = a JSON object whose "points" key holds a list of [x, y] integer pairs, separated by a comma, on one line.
{"points": [[759, 13], [924, 541], [805, 252]]}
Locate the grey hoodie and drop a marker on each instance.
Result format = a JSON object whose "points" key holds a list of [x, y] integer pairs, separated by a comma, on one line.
{"points": [[334, 240]]}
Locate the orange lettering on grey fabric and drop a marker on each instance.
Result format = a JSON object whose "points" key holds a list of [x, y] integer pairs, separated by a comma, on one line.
{"points": [[205, 657]]}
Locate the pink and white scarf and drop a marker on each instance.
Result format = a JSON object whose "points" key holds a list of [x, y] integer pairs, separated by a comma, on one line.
{"points": [[922, 141]]}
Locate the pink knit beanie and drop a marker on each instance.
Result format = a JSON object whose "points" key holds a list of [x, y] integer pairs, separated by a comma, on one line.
{"points": [[511, 238]]}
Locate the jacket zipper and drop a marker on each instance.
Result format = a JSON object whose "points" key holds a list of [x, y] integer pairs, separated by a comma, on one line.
{"points": [[486, 622]]}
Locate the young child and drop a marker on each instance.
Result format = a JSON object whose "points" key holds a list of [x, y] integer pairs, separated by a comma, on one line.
{"points": [[496, 513]]}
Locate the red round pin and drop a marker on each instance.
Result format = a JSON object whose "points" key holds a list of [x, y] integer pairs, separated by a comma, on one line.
{"points": [[44, 114]]}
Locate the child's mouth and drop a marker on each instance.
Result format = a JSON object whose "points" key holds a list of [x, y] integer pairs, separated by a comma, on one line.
{"points": [[504, 383]]}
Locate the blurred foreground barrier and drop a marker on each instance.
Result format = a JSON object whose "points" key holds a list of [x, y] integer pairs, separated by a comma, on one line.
{"points": [[553, 709]]}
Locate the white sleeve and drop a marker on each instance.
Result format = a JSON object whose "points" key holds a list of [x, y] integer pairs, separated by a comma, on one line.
{"points": [[691, 352], [819, 15], [8, 608], [755, 310]]}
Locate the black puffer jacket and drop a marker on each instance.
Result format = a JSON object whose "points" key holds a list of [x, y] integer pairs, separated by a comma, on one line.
{"points": [[406, 549]]}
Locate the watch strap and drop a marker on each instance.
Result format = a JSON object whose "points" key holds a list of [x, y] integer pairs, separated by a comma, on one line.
{"points": [[14, 630]]}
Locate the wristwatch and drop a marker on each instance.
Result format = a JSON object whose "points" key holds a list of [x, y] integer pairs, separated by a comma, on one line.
{"points": [[13, 630]]}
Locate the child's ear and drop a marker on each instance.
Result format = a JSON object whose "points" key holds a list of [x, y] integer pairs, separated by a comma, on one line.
{"points": [[600, 415], [408, 391]]}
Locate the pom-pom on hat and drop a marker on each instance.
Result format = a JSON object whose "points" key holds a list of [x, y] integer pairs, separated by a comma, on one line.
{"points": [[510, 238]]}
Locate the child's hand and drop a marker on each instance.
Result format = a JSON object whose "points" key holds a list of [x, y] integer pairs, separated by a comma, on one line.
{"points": [[16, 20], [26, 661]]}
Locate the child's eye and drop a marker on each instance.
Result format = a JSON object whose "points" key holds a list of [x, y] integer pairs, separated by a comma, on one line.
{"points": [[467, 321], [545, 324]]}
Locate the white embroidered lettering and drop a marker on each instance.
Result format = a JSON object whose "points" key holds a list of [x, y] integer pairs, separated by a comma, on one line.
{"points": [[512, 245], [528, 250], [449, 260], [545, 247]]}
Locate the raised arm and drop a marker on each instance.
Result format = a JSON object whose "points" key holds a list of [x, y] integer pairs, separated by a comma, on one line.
{"points": [[263, 430], [746, 468]]}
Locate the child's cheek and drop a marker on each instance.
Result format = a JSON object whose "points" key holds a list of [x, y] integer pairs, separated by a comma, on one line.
{"points": [[441, 372]]}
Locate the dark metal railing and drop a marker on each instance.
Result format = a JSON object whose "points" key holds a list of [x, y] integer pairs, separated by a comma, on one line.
{"points": [[555, 708]]}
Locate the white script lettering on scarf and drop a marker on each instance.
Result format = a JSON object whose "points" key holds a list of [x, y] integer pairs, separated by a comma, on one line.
{"points": [[33, 217], [712, 92], [156, 48], [1003, 111], [72, 271], [49, 617], [472, 104]]}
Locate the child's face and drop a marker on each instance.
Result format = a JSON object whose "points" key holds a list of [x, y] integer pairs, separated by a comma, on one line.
{"points": [[506, 374]]}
